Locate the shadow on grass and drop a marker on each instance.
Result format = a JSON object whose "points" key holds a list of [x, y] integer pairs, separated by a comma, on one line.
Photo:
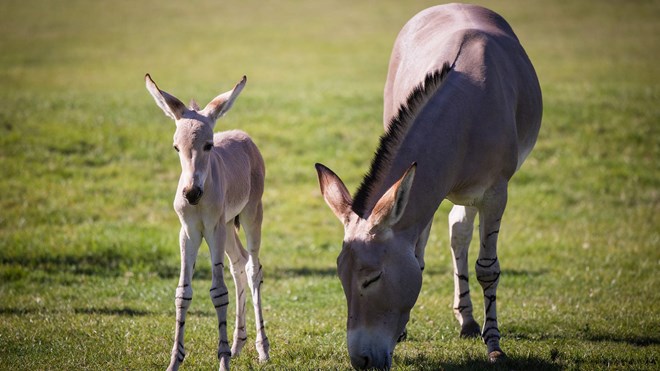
{"points": [[523, 272], [106, 263], [112, 263], [289, 272], [128, 312], [641, 341], [422, 362], [587, 335]]}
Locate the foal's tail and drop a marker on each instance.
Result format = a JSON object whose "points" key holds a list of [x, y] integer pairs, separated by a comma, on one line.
{"points": [[237, 223]]}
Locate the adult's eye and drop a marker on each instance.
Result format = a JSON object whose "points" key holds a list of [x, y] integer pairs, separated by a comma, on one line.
{"points": [[208, 147], [371, 280]]}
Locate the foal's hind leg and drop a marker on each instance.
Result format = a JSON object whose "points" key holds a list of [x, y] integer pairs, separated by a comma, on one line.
{"points": [[251, 219], [488, 267], [238, 258], [461, 221]]}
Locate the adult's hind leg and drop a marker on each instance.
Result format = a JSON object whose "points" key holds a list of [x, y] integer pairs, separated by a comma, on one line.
{"points": [[251, 219], [487, 267], [238, 258]]}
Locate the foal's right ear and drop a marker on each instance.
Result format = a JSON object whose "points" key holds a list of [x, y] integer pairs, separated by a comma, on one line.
{"points": [[223, 102], [172, 107], [335, 193]]}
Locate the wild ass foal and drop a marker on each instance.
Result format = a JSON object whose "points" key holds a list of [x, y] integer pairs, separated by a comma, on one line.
{"points": [[221, 183], [463, 106]]}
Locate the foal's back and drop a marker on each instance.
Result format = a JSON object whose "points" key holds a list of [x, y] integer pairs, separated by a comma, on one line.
{"points": [[238, 159]]}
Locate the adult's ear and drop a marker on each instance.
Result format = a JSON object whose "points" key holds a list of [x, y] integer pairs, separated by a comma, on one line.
{"points": [[223, 102], [335, 193], [389, 209], [172, 106]]}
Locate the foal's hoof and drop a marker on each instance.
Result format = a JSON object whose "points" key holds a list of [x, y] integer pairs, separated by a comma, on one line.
{"points": [[496, 356], [470, 330]]}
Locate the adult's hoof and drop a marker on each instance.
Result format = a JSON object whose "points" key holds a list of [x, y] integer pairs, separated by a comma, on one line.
{"points": [[496, 356], [470, 329]]}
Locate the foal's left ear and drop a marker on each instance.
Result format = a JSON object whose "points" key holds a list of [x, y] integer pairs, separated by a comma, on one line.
{"points": [[223, 102], [172, 106]]}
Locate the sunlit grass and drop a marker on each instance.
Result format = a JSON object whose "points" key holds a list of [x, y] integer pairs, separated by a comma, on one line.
{"points": [[88, 237]]}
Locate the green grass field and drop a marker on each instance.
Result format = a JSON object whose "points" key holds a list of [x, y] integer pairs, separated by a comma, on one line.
{"points": [[88, 238]]}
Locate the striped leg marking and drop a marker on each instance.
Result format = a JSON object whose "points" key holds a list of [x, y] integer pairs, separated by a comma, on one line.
{"points": [[461, 222], [487, 267]]}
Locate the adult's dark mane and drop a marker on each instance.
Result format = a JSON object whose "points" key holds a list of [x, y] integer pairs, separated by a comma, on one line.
{"points": [[392, 138]]}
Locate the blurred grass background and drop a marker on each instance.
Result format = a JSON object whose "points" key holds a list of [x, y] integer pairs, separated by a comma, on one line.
{"points": [[88, 238]]}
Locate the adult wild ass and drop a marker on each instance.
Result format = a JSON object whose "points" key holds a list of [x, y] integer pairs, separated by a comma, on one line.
{"points": [[462, 112], [221, 184]]}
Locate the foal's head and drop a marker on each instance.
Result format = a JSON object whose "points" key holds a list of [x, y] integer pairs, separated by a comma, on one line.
{"points": [[193, 138], [377, 268]]}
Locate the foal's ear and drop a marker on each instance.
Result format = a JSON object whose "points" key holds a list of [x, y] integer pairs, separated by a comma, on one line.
{"points": [[335, 193], [389, 209], [223, 102], [168, 103]]}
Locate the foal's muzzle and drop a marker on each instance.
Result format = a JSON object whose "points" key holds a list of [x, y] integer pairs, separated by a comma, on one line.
{"points": [[193, 194]]}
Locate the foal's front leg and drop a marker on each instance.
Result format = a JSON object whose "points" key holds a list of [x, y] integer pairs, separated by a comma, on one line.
{"points": [[219, 293], [189, 241]]}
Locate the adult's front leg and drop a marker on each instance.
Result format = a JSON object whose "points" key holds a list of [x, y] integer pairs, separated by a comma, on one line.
{"points": [[420, 248], [461, 223], [488, 266], [189, 241]]}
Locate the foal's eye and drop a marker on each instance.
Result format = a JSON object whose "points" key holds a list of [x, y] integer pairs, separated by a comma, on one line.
{"points": [[208, 147], [176, 148]]}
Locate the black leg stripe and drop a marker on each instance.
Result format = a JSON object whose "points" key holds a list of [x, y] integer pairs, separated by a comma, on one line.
{"points": [[220, 295], [221, 305], [464, 294], [491, 300], [182, 298], [462, 277], [223, 323], [460, 308], [243, 339], [492, 233], [492, 262], [497, 277]]}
